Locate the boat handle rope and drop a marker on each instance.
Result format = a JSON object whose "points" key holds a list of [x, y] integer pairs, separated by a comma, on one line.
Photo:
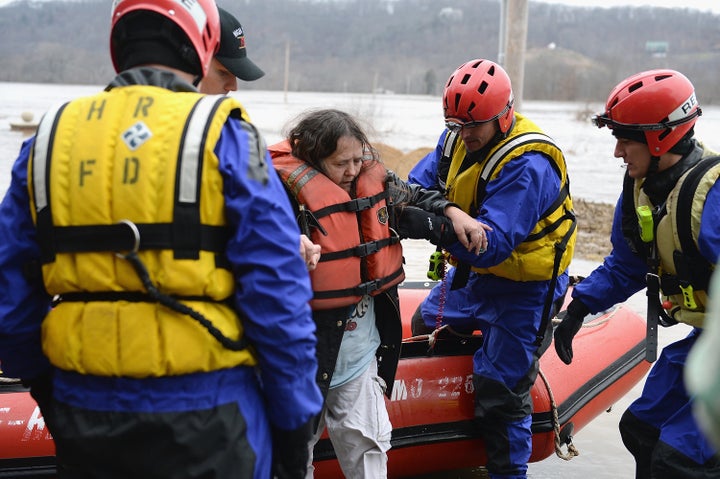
{"points": [[433, 336], [571, 449]]}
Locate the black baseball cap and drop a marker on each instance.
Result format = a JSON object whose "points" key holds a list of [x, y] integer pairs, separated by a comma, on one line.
{"points": [[232, 53], [628, 134]]}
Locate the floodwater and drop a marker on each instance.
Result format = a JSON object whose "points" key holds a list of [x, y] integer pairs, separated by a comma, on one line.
{"points": [[410, 122]]}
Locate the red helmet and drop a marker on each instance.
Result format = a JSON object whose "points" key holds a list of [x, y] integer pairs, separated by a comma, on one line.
{"points": [[198, 19], [479, 90], [659, 103]]}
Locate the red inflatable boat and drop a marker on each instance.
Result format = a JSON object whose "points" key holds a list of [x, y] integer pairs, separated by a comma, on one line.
{"points": [[431, 408]]}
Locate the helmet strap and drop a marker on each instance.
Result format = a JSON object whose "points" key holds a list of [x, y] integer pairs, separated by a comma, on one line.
{"points": [[685, 144], [654, 165], [510, 128]]}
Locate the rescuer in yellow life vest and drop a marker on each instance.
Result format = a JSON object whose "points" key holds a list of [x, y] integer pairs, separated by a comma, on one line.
{"points": [[155, 300], [503, 170]]}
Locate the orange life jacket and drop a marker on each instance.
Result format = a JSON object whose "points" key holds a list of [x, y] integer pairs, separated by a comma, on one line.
{"points": [[361, 254]]}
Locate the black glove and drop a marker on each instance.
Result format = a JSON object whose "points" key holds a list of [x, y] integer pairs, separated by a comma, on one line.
{"points": [[572, 320], [415, 223], [290, 451]]}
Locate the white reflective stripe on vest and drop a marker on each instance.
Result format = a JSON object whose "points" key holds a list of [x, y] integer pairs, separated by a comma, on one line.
{"points": [[519, 140], [41, 152], [192, 149]]}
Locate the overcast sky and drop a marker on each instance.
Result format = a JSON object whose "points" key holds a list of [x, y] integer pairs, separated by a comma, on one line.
{"points": [[704, 5]]}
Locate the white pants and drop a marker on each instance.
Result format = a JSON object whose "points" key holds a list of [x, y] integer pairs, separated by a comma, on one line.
{"points": [[358, 425]]}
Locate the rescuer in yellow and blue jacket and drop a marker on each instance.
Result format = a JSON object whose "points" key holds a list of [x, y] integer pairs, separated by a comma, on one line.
{"points": [[152, 294], [501, 169], [666, 238]]}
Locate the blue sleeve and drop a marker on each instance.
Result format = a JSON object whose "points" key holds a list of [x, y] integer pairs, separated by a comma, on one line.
{"points": [[424, 173], [514, 202], [621, 275], [709, 235], [273, 285], [23, 300]]}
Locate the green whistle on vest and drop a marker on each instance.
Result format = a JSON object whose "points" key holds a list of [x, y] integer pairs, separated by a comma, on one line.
{"points": [[645, 222], [688, 296], [436, 271]]}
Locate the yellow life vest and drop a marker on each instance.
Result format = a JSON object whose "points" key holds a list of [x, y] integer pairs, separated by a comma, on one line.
{"points": [[134, 157], [549, 247], [360, 252], [683, 282]]}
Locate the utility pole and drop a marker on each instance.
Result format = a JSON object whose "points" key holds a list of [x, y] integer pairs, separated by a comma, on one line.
{"points": [[513, 40], [286, 80], [502, 39]]}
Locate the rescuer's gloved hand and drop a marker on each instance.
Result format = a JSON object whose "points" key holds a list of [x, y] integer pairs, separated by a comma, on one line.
{"points": [[416, 223], [572, 320], [290, 451]]}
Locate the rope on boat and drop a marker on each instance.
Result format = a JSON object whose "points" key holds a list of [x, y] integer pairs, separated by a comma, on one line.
{"points": [[432, 337], [571, 449]]}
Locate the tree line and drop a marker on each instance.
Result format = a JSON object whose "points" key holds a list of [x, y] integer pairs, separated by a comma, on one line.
{"points": [[401, 46]]}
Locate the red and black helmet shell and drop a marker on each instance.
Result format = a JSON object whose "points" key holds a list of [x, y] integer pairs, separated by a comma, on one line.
{"points": [[479, 90], [651, 98]]}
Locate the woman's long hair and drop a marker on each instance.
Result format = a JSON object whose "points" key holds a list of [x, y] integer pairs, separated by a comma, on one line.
{"points": [[315, 136]]}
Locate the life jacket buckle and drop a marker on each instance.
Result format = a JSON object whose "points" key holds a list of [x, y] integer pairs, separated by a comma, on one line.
{"points": [[361, 204], [369, 287], [366, 249]]}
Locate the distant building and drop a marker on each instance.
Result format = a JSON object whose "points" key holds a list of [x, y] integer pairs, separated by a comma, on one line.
{"points": [[657, 49], [450, 13]]}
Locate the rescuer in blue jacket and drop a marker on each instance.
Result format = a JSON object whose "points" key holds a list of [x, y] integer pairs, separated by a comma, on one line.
{"points": [[500, 168], [151, 291], [666, 237]]}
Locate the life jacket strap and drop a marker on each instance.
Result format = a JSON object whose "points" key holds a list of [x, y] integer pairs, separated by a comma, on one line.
{"points": [[129, 296], [353, 206], [360, 251], [560, 249], [362, 289]]}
